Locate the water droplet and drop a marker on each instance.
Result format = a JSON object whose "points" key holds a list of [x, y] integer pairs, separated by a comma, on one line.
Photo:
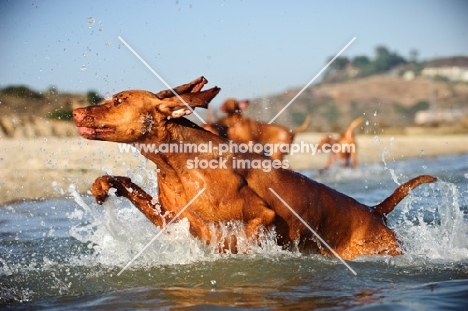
{"points": [[466, 175], [367, 122], [213, 284], [421, 152], [83, 67], [90, 21], [107, 96], [375, 113], [424, 167]]}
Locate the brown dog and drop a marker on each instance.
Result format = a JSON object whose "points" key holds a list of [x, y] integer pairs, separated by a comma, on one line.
{"points": [[241, 129], [347, 154], [231, 192]]}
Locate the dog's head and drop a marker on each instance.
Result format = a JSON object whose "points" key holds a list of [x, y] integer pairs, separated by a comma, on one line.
{"points": [[130, 115], [231, 106]]}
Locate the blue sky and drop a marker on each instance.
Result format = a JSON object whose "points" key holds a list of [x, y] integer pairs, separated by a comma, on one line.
{"points": [[248, 48]]}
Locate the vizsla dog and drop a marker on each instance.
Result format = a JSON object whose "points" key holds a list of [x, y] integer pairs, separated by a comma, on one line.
{"points": [[241, 129], [347, 155], [228, 192]]}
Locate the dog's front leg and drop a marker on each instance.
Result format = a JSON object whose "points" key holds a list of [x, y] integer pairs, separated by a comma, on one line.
{"points": [[126, 188]]}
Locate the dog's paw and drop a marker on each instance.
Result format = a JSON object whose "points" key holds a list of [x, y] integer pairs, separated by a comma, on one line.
{"points": [[103, 184], [100, 189]]}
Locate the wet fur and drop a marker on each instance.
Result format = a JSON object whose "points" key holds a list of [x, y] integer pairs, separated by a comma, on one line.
{"points": [[351, 228]]}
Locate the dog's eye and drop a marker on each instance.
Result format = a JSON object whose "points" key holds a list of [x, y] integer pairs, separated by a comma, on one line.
{"points": [[117, 101]]}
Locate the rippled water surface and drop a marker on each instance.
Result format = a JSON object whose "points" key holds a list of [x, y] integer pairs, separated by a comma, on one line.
{"points": [[71, 253]]}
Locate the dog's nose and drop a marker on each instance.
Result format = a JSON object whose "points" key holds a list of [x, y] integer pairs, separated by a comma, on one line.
{"points": [[78, 115]]}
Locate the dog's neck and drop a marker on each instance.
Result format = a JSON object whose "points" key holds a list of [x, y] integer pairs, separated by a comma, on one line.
{"points": [[176, 131], [235, 113], [231, 118]]}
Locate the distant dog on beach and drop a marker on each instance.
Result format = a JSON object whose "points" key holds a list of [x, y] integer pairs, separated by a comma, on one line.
{"points": [[347, 156]]}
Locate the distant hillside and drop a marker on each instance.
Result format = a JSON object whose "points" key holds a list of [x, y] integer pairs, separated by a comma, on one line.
{"points": [[26, 113], [387, 101], [387, 88]]}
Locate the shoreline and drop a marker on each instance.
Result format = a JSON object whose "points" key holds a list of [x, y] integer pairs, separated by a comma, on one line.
{"points": [[34, 169]]}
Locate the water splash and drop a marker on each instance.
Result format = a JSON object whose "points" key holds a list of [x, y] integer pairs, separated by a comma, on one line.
{"points": [[119, 231], [391, 170], [432, 226]]}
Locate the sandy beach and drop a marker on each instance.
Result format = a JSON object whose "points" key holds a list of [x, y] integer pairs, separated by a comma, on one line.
{"points": [[46, 167]]}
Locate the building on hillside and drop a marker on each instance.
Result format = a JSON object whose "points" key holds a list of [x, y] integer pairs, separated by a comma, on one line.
{"points": [[452, 68], [440, 116]]}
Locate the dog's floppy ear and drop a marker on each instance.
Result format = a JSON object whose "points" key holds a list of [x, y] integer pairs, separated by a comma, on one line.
{"points": [[244, 104], [194, 86], [179, 106]]}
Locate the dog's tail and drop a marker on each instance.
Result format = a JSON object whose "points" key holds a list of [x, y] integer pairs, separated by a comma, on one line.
{"points": [[304, 125], [387, 205], [355, 123]]}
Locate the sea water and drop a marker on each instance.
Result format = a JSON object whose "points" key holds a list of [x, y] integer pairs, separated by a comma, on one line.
{"points": [[72, 253]]}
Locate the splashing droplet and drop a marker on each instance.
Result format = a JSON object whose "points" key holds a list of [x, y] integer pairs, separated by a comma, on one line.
{"points": [[107, 96], [213, 284], [90, 22]]}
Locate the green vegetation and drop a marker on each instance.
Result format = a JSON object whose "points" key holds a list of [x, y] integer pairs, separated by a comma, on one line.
{"points": [[297, 118], [332, 113], [383, 61], [21, 91], [411, 111], [93, 97], [62, 114]]}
